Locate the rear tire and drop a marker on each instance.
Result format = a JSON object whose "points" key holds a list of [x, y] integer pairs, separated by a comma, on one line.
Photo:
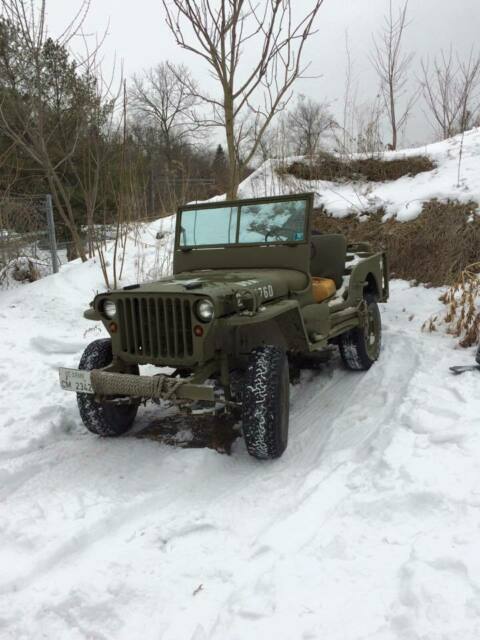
{"points": [[360, 347], [103, 418], [265, 411]]}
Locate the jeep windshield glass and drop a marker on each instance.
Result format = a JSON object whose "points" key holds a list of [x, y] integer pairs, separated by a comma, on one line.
{"points": [[257, 223]]}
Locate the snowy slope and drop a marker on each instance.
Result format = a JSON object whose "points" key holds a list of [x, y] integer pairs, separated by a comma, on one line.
{"points": [[402, 198], [367, 528]]}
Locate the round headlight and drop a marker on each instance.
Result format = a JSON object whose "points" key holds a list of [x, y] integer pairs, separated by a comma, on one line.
{"points": [[109, 308], [204, 310]]}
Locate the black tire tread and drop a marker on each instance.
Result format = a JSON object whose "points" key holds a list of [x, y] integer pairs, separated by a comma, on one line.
{"points": [[105, 420], [266, 380], [352, 345]]}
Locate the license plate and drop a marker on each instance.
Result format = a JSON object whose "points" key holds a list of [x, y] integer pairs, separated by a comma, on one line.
{"points": [[75, 380]]}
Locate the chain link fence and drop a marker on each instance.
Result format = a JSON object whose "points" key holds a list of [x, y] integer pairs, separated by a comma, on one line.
{"points": [[28, 248], [31, 247]]}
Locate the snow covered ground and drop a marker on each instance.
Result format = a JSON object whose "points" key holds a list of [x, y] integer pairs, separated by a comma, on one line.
{"points": [[367, 528], [456, 177]]}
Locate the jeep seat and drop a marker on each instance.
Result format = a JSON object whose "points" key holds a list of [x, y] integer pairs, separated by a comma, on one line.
{"points": [[323, 288], [328, 257]]}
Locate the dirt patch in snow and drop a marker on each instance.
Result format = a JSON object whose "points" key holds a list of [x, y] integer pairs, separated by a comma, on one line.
{"points": [[432, 249], [335, 169], [214, 432]]}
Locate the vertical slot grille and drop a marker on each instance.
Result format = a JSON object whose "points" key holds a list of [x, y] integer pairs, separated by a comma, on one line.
{"points": [[155, 327]]}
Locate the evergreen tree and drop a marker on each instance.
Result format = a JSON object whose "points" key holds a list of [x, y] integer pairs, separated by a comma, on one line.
{"points": [[220, 168]]}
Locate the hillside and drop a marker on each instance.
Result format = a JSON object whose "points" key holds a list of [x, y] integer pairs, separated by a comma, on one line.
{"points": [[402, 198], [366, 529]]}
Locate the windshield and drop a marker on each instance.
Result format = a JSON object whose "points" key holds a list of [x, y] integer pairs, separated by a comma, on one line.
{"points": [[257, 223]]}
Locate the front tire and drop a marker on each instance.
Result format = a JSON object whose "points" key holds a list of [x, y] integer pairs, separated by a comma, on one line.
{"points": [[266, 405], [103, 418], [360, 347]]}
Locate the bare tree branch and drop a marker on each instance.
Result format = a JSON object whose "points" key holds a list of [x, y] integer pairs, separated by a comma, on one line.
{"points": [[451, 92], [392, 66], [307, 123], [46, 103], [167, 96], [218, 31]]}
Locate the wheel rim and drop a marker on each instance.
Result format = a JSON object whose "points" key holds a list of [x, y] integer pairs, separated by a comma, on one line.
{"points": [[373, 331]]}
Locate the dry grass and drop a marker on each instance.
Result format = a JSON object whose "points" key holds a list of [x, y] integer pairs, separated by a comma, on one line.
{"points": [[432, 249], [335, 169], [462, 316]]}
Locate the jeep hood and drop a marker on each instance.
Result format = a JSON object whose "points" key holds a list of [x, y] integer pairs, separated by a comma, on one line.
{"points": [[220, 282]]}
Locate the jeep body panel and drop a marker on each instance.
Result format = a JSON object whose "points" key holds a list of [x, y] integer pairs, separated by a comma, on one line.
{"points": [[280, 324], [221, 282], [171, 303]]}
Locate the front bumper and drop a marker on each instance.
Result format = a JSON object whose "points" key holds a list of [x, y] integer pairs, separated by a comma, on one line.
{"points": [[160, 387]]}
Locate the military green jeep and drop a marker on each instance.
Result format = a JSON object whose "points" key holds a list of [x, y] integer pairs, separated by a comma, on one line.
{"points": [[253, 294]]}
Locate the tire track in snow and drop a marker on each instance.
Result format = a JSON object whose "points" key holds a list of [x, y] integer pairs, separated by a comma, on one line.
{"points": [[358, 406], [328, 461]]}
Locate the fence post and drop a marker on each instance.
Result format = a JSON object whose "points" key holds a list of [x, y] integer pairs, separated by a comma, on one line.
{"points": [[51, 233]]}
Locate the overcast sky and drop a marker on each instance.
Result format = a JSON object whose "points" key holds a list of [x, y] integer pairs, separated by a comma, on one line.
{"points": [[138, 36]]}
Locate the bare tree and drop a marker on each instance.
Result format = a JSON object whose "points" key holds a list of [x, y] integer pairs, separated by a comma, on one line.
{"points": [[43, 96], [219, 32], [349, 98], [164, 95], [269, 147], [451, 92], [307, 122], [368, 127], [276, 142], [96, 148], [345, 134], [392, 66]]}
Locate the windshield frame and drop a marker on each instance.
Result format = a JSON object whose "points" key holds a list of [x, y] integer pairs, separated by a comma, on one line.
{"points": [[307, 197]]}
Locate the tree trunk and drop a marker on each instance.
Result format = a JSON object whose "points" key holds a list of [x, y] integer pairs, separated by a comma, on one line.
{"points": [[393, 119], [68, 219], [233, 183], [233, 169]]}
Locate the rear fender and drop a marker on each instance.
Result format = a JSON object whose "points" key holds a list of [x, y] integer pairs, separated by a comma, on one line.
{"points": [[371, 275]]}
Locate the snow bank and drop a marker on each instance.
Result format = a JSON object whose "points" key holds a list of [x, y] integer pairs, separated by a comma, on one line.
{"points": [[401, 198]]}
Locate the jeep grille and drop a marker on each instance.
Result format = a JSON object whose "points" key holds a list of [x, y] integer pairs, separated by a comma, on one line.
{"points": [[155, 326]]}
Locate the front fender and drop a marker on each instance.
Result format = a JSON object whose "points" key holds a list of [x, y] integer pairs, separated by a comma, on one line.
{"points": [[275, 323]]}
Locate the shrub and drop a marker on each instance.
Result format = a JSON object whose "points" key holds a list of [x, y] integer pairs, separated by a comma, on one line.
{"points": [[462, 315], [20, 270], [333, 168], [434, 248]]}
